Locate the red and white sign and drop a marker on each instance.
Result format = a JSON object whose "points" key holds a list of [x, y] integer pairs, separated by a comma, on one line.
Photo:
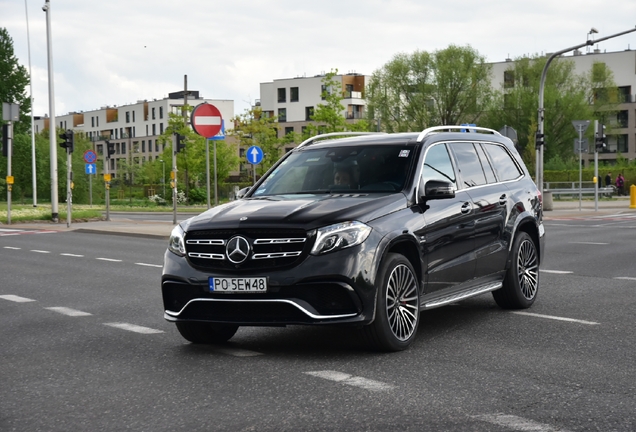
{"points": [[206, 120]]}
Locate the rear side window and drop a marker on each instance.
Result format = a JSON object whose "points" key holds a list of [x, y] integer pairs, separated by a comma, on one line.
{"points": [[470, 170], [485, 163], [504, 165]]}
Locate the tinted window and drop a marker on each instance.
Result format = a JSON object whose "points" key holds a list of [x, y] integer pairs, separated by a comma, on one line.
{"points": [[437, 165], [470, 170], [485, 164], [504, 165]]}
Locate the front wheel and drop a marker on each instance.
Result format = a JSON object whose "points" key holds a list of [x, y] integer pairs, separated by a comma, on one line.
{"points": [[397, 311], [521, 284], [206, 333]]}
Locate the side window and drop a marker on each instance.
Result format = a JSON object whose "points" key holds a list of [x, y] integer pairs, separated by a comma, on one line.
{"points": [[504, 165], [438, 166], [470, 170], [485, 164]]}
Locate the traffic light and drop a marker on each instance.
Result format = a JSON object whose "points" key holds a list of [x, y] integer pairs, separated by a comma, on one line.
{"points": [[110, 149], [539, 140], [5, 140], [180, 143], [600, 140], [68, 140]]}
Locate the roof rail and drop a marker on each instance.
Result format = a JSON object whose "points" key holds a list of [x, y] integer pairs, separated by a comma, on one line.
{"points": [[463, 128], [313, 139]]}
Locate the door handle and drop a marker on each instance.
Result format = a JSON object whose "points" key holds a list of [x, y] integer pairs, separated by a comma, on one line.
{"points": [[466, 208], [503, 199]]}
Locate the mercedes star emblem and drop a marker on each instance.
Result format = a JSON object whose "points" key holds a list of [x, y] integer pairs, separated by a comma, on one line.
{"points": [[237, 249]]}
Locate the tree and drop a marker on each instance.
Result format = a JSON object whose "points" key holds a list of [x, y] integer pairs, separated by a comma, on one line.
{"points": [[13, 82], [413, 92], [253, 128], [567, 97]]}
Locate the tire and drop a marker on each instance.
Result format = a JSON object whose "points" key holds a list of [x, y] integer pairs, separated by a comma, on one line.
{"points": [[206, 333], [521, 283], [397, 310]]}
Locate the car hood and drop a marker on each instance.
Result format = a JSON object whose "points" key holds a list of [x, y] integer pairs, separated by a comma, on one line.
{"points": [[304, 211]]}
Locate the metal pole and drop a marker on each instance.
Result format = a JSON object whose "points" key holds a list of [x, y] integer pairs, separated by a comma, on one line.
{"points": [[107, 183], [69, 191], [9, 153], [580, 167], [174, 180], [539, 152], [90, 190], [216, 188], [52, 134], [207, 170], [163, 177], [598, 182], [35, 187]]}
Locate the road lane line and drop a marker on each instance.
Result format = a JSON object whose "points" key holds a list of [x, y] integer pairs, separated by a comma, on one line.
{"points": [[71, 255], [555, 271], [12, 248], [15, 298], [133, 328], [40, 251], [517, 423], [108, 259], [589, 243], [9, 230], [149, 265], [557, 318], [347, 379], [68, 311], [238, 352], [626, 278]]}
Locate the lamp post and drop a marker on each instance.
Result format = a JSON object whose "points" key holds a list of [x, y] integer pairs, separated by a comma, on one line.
{"points": [[163, 177], [540, 132]]}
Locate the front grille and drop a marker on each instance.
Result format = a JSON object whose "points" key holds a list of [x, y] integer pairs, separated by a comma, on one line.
{"points": [[270, 249]]}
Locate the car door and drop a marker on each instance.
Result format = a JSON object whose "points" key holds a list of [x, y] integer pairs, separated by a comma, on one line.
{"points": [[447, 239]]}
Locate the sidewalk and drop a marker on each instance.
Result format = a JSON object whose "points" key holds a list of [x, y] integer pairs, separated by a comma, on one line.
{"points": [[120, 225]]}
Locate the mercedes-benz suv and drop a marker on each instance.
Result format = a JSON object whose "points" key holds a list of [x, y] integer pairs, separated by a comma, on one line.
{"points": [[367, 230]]}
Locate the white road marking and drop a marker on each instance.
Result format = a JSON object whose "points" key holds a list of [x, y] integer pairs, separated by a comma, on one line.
{"points": [[68, 311], [557, 318], [133, 328], [10, 234], [555, 271], [149, 265], [626, 278], [589, 243], [40, 251], [15, 298], [108, 259], [12, 248], [351, 380], [238, 352], [9, 230], [71, 255], [517, 423]]}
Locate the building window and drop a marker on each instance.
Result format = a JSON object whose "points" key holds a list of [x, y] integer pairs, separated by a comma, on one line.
{"points": [[154, 129], [123, 148], [282, 95], [160, 128], [92, 121], [622, 118], [309, 113], [289, 130], [97, 120], [156, 146], [127, 116], [293, 94], [621, 143], [133, 116], [100, 150], [324, 91], [625, 94], [143, 146], [282, 115], [509, 79], [160, 112], [153, 113]]}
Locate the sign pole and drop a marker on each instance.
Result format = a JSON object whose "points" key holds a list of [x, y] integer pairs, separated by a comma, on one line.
{"points": [[598, 182], [9, 186], [174, 181], [216, 186], [580, 168], [69, 191], [207, 171]]}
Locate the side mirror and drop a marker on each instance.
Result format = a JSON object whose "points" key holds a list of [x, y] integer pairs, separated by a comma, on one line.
{"points": [[241, 193], [436, 189]]}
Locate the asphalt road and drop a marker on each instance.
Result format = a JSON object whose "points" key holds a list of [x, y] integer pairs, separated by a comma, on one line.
{"points": [[84, 347]]}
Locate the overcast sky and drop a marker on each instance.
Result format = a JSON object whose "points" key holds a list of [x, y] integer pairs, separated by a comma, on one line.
{"points": [[116, 52]]}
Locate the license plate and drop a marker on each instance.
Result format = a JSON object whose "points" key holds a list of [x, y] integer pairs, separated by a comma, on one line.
{"points": [[238, 285]]}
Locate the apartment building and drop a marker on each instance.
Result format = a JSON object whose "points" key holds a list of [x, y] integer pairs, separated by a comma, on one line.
{"points": [[133, 128], [621, 128]]}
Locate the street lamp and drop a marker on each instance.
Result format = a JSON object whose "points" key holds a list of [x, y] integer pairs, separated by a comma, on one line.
{"points": [[163, 178], [540, 130]]}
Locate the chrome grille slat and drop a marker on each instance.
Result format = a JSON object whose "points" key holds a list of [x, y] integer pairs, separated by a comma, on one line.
{"points": [[206, 255], [215, 242], [276, 255], [280, 241]]}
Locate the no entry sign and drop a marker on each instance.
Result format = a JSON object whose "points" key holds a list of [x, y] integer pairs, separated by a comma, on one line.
{"points": [[206, 120]]}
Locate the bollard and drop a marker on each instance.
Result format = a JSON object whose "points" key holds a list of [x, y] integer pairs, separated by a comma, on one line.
{"points": [[632, 197], [547, 200]]}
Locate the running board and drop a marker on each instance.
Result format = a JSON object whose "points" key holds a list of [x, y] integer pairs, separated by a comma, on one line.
{"points": [[462, 295]]}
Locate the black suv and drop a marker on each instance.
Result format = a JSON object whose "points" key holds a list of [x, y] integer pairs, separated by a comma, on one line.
{"points": [[367, 230]]}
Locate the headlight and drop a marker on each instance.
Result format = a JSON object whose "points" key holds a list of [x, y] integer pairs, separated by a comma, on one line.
{"points": [[340, 236], [176, 244]]}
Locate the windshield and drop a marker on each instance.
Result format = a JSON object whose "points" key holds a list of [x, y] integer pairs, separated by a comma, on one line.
{"points": [[348, 169]]}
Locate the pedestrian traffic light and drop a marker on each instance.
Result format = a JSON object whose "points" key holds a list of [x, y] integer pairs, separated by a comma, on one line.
{"points": [[180, 143], [539, 140], [5, 140], [110, 149], [600, 140], [68, 140]]}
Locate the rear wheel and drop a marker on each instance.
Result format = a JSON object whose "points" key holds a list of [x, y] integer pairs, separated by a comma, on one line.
{"points": [[521, 284], [206, 333], [397, 311]]}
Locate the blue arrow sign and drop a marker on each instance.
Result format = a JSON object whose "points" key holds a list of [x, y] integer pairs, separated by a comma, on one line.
{"points": [[254, 155], [91, 169]]}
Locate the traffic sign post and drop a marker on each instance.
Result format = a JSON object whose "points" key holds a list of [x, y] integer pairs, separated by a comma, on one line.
{"points": [[254, 156], [581, 127], [206, 120]]}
